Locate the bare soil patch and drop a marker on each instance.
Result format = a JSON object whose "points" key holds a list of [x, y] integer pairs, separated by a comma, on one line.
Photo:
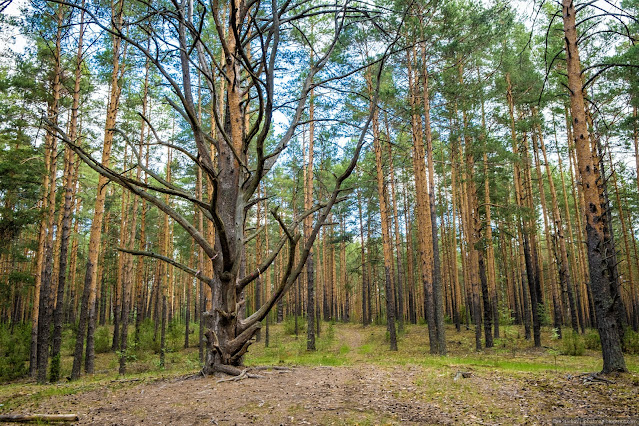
{"points": [[363, 394], [369, 385]]}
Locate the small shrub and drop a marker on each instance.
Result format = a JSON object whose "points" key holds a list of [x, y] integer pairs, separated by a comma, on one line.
{"points": [[572, 344], [464, 315], [175, 336], [544, 315], [102, 339], [631, 342], [592, 340], [289, 325], [147, 332], [68, 340], [14, 352], [505, 315], [54, 369], [330, 332]]}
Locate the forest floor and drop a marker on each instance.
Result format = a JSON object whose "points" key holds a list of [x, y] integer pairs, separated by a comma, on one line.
{"points": [[354, 379]]}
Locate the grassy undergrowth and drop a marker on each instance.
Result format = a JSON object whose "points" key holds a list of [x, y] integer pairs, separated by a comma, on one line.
{"points": [[338, 345], [348, 344]]}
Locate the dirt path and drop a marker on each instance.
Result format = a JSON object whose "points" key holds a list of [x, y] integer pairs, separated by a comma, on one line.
{"points": [[320, 395], [367, 391], [364, 394]]}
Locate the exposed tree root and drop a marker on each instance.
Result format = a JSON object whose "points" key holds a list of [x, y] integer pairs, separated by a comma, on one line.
{"points": [[244, 374], [587, 378], [238, 374]]}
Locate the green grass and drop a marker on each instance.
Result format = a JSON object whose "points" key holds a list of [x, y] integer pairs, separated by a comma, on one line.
{"points": [[510, 353], [337, 345]]}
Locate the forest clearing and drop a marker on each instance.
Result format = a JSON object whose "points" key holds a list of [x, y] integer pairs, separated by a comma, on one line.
{"points": [[320, 211], [352, 379]]}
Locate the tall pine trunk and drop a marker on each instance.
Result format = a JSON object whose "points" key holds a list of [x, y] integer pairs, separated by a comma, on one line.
{"points": [[65, 231], [602, 279], [88, 307]]}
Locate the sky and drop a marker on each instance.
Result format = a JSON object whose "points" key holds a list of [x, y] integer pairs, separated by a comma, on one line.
{"points": [[18, 42]]}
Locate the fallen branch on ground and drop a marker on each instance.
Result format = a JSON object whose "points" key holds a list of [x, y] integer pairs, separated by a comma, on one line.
{"points": [[244, 374], [23, 418]]}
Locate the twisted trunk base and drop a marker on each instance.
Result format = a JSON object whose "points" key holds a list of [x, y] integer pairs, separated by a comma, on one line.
{"points": [[225, 350]]}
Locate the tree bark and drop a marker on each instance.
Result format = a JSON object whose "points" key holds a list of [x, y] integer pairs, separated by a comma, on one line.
{"points": [[400, 286], [69, 185], [88, 310], [520, 198], [46, 299], [602, 283], [386, 243], [422, 208], [308, 223], [365, 311], [438, 297]]}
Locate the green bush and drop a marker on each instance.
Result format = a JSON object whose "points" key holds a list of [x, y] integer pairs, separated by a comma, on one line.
{"points": [[572, 344], [68, 340], [289, 325], [592, 340], [505, 315], [14, 351], [463, 315], [544, 315], [631, 342], [102, 339], [174, 336], [147, 332]]}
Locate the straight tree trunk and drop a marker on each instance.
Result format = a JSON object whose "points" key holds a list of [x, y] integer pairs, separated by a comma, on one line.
{"points": [[258, 261], [163, 332], [72, 304], [46, 301], [472, 234], [386, 242], [365, 311], [490, 251], [530, 224], [308, 224], [565, 276], [633, 318], [602, 282], [523, 225], [65, 231], [118, 289], [398, 246], [478, 276], [551, 249], [88, 310], [424, 227], [453, 249], [187, 313], [412, 308], [578, 258], [438, 297], [139, 272], [127, 271]]}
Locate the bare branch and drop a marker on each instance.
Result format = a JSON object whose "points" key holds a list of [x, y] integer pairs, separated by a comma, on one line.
{"points": [[190, 271]]}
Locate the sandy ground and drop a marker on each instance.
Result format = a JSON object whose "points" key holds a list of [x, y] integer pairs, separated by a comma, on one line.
{"points": [[363, 393]]}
